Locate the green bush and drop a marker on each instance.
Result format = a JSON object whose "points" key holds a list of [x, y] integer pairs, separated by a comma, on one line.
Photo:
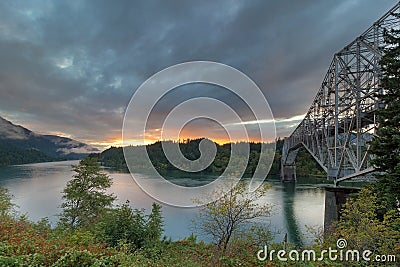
{"points": [[31, 260], [131, 227]]}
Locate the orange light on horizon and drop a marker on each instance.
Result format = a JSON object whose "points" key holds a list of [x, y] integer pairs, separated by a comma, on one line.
{"points": [[107, 143], [117, 142]]}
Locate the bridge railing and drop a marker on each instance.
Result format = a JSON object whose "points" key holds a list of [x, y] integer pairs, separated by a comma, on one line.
{"points": [[341, 120]]}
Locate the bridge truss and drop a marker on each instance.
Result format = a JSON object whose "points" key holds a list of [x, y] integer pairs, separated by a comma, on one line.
{"points": [[341, 120]]}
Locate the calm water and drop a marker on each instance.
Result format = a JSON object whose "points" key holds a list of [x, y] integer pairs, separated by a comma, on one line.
{"points": [[37, 192]]}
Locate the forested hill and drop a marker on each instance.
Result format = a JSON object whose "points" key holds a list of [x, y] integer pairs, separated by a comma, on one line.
{"points": [[19, 145], [114, 157], [305, 164]]}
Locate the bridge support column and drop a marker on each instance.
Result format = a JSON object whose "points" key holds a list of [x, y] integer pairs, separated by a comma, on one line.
{"points": [[288, 173], [335, 197]]}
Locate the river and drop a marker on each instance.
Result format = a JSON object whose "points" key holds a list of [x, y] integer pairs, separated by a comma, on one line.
{"points": [[37, 193]]}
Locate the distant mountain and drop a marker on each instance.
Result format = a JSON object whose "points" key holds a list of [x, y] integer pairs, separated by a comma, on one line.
{"points": [[19, 145]]}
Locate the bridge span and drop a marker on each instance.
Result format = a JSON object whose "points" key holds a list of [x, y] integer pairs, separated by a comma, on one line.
{"points": [[341, 120]]}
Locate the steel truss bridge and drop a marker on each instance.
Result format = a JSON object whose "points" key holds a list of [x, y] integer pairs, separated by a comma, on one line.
{"points": [[341, 120]]}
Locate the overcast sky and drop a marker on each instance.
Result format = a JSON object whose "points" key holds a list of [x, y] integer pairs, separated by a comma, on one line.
{"points": [[70, 67]]}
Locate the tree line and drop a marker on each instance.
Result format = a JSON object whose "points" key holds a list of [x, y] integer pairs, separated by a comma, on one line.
{"points": [[305, 164]]}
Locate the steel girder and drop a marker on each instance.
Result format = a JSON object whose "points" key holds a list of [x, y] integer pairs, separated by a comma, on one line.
{"points": [[341, 120]]}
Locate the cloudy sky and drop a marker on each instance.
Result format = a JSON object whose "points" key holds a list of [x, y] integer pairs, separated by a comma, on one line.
{"points": [[71, 67]]}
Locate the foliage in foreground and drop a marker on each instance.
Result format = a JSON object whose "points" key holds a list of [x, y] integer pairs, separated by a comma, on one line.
{"points": [[364, 227], [85, 197], [235, 213], [123, 236], [26, 244], [113, 242]]}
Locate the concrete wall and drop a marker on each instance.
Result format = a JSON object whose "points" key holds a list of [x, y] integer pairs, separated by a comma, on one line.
{"points": [[288, 173]]}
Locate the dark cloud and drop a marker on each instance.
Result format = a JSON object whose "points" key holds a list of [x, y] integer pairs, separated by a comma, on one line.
{"points": [[71, 66]]}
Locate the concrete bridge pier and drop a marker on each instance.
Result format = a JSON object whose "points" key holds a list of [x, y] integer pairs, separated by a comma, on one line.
{"points": [[288, 173], [335, 198]]}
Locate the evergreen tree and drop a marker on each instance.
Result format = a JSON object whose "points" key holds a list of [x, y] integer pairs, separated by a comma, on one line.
{"points": [[85, 197], [5, 202], [155, 224], [386, 144]]}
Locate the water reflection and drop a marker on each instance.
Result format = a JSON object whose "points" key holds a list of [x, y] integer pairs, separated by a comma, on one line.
{"points": [[288, 199], [37, 189]]}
